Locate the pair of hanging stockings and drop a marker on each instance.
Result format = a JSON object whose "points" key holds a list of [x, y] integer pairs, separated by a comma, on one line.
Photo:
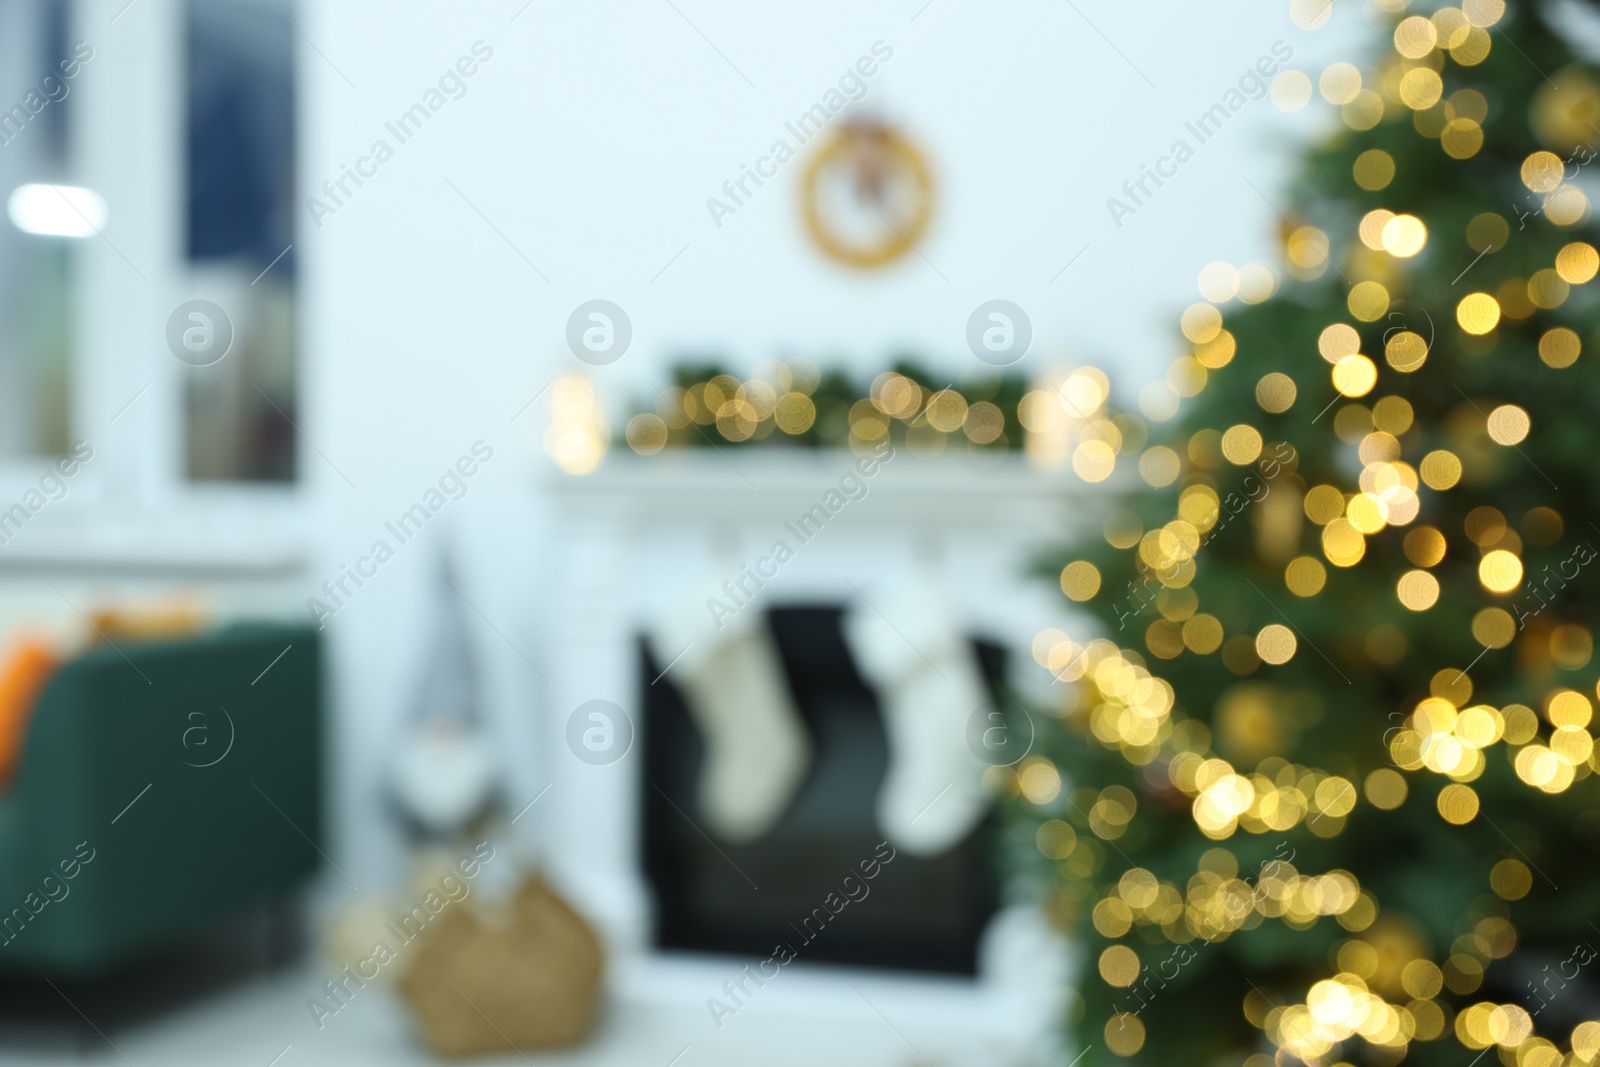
{"points": [[758, 750]]}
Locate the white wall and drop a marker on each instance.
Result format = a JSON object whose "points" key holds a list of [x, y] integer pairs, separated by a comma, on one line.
{"points": [[592, 139]]}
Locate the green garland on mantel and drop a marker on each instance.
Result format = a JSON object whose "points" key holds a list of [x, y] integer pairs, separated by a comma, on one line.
{"points": [[792, 404]]}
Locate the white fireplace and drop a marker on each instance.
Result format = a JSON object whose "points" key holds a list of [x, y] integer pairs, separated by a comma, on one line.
{"points": [[642, 536]]}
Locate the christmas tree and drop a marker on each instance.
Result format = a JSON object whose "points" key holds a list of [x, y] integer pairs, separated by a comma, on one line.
{"points": [[1320, 785]]}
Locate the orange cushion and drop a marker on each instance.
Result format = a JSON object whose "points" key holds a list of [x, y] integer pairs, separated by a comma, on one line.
{"points": [[24, 670]]}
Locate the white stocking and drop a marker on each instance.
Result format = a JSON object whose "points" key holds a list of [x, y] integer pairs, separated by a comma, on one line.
{"points": [[928, 683], [757, 748]]}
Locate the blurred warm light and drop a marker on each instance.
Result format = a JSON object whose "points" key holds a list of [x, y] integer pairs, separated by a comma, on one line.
{"points": [[1458, 804], [1482, 13], [1364, 111], [1578, 262], [1241, 444], [1338, 341], [1415, 37], [1310, 14], [1418, 590], [1257, 282], [1342, 543], [1440, 469], [1119, 966], [1355, 375], [1421, 88], [1547, 289], [947, 411], [1385, 789], [1478, 313], [1460, 138], [1339, 83], [985, 423], [1291, 90], [794, 412], [1474, 50], [1542, 171], [1373, 169], [1368, 301], [1080, 580], [1568, 205], [1124, 1034], [1508, 424], [1404, 236], [1493, 628], [1219, 282], [1275, 644], [647, 434], [1276, 393], [1094, 460], [1393, 415], [1200, 322], [1500, 571], [1040, 781], [1305, 576], [1370, 229], [576, 437], [1560, 347], [1307, 251]]}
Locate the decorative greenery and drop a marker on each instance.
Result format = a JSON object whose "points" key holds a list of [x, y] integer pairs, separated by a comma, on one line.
{"points": [[792, 403]]}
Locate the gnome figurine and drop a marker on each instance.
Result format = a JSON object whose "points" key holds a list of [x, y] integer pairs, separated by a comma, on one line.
{"points": [[444, 775]]}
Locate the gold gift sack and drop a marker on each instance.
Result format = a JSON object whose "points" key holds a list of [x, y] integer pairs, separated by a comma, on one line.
{"points": [[528, 978]]}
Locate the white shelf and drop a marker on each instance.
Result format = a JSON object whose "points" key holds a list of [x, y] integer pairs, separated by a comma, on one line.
{"points": [[143, 552]]}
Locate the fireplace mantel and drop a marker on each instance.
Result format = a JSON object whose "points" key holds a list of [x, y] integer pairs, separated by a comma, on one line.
{"points": [[740, 482]]}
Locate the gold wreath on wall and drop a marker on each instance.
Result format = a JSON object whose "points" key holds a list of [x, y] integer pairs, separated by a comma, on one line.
{"points": [[867, 195]]}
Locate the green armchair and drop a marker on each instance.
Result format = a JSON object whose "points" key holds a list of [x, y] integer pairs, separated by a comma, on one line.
{"points": [[160, 786]]}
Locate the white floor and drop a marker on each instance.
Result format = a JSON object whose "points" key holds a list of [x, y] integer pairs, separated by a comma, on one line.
{"points": [[827, 1017]]}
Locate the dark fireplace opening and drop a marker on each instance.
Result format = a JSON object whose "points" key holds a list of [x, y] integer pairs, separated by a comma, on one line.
{"points": [[920, 913]]}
